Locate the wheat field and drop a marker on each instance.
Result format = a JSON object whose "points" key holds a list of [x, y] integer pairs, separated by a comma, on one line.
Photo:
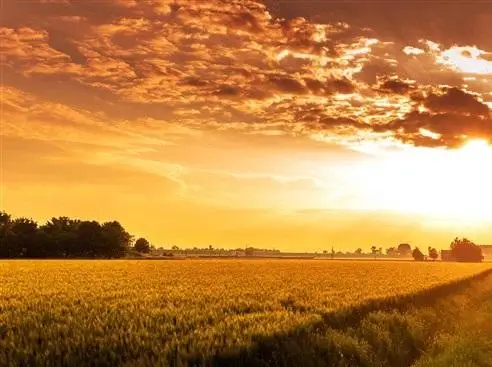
{"points": [[171, 312]]}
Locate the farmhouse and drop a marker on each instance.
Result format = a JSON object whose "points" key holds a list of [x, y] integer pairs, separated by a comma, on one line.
{"points": [[486, 251], [446, 255]]}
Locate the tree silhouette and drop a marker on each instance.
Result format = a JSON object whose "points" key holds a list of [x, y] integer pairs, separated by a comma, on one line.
{"points": [[249, 251], [404, 249], [142, 245], [374, 251], [6, 247], [116, 241], [418, 255], [5, 222], [391, 251], [89, 238], [464, 250], [21, 238], [433, 254], [61, 238]]}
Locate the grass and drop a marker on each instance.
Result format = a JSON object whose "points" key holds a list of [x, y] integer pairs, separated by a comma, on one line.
{"points": [[284, 312]]}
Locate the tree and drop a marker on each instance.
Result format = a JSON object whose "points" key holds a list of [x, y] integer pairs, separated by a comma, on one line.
{"points": [[358, 251], [5, 222], [464, 250], [61, 237], [5, 235], [418, 255], [391, 251], [433, 254], [374, 251], [89, 239], [23, 239], [249, 251], [116, 241], [142, 245], [404, 249]]}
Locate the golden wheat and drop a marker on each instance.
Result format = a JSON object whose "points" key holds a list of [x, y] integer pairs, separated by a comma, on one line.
{"points": [[163, 312]]}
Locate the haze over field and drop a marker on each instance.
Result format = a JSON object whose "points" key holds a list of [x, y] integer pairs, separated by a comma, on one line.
{"points": [[276, 124]]}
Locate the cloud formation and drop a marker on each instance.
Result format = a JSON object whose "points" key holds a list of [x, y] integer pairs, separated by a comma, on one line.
{"points": [[239, 65]]}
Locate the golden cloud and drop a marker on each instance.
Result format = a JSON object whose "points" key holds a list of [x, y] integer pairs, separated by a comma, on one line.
{"points": [[234, 65]]}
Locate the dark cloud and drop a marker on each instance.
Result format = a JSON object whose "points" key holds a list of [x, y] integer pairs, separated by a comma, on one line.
{"points": [[314, 85], [257, 94], [454, 129], [342, 86], [330, 122], [456, 100], [245, 20], [453, 117], [287, 84], [374, 69], [195, 82], [402, 21], [301, 36], [227, 90], [395, 86]]}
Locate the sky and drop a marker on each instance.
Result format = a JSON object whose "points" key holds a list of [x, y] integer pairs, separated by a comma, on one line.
{"points": [[296, 125]]}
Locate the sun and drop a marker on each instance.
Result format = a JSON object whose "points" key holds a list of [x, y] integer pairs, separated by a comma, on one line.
{"points": [[447, 183], [476, 149]]}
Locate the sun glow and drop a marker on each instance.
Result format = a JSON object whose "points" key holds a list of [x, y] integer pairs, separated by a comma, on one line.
{"points": [[476, 149], [449, 183]]}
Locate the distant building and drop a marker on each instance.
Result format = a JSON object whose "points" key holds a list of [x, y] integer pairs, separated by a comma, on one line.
{"points": [[446, 255], [486, 251]]}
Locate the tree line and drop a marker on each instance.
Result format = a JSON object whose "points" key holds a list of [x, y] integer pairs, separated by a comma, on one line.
{"points": [[461, 250], [62, 237]]}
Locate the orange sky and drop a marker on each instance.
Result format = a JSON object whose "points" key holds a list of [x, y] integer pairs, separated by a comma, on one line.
{"points": [[242, 122]]}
